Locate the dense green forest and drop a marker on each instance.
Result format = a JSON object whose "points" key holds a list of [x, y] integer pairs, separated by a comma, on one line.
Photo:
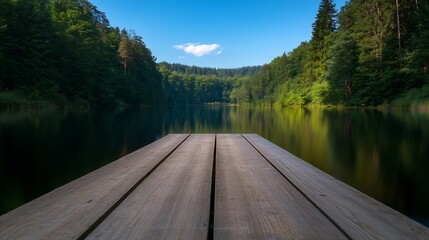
{"points": [[370, 53], [195, 85], [65, 52]]}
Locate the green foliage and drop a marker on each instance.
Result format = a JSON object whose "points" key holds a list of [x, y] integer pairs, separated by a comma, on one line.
{"points": [[124, 50], [220, 72], [318, 92], [183, 88], [415, 97], [323, 27], [325, 22], [17, 100], [370, 59], [65, 51], [341, 68], [295, 96]]}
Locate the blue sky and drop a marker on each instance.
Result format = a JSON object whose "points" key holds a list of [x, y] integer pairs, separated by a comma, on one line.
{"points": [[216, 33]]}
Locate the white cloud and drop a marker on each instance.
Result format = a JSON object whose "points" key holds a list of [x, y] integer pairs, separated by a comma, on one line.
{"points": [[197, 49], [218, 52]]}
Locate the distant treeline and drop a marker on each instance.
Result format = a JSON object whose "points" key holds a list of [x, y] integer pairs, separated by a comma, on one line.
{"points": [[65, 52], [194, 85], [220, 72]]}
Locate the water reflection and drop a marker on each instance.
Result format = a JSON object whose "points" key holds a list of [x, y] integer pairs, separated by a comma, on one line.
{"points": [[383, 154]]}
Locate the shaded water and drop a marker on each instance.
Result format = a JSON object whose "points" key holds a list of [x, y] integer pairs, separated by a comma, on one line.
{"points": [[383, 154]]}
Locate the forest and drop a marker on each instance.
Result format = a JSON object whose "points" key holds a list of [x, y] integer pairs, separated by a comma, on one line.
{"points": [[195, 85], [64, 52], [370, 53]]}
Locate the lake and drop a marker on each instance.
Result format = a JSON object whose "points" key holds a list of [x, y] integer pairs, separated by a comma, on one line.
{"points": [[384, 154]]}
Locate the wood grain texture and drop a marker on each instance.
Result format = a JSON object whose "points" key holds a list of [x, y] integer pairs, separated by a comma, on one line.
{"points": [[67, 212], [254, 201], [172, 203], [360, 216]]}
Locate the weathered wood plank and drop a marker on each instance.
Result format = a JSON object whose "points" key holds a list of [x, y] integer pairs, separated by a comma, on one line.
{"points": [[360, 216], [67, 212], [172, 203], [254, 201]]}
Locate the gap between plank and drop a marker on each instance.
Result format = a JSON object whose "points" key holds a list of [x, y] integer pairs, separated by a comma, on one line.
{"points": [[111, 209], [210, 234], [299, 190]]}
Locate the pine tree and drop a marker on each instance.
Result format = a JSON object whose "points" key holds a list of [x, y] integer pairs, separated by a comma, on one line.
{"points": [[125, 50], [325, 22], [324, 25]]}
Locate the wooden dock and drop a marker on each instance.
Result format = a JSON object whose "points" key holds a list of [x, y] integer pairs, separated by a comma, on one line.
{"points": [[207, 186]]}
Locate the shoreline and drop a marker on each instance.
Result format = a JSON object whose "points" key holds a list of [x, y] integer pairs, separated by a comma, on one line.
{"points": [[10, 101]]}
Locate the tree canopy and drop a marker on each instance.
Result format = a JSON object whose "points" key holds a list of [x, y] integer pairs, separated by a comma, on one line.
{"points": [[66, 52], [372, 53]]}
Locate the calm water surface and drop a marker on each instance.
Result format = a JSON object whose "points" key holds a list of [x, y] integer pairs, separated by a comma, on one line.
{"points": [[384, 154]]}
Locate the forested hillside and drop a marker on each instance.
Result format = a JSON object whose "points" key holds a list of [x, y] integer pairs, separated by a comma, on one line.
{"points": [[196, 85], [220, 72], [65, 52], [369, 53]]}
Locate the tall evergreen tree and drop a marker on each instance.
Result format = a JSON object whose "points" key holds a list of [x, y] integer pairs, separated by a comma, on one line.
{"points": [[324, 25], [125, 50], [325, 22]]}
